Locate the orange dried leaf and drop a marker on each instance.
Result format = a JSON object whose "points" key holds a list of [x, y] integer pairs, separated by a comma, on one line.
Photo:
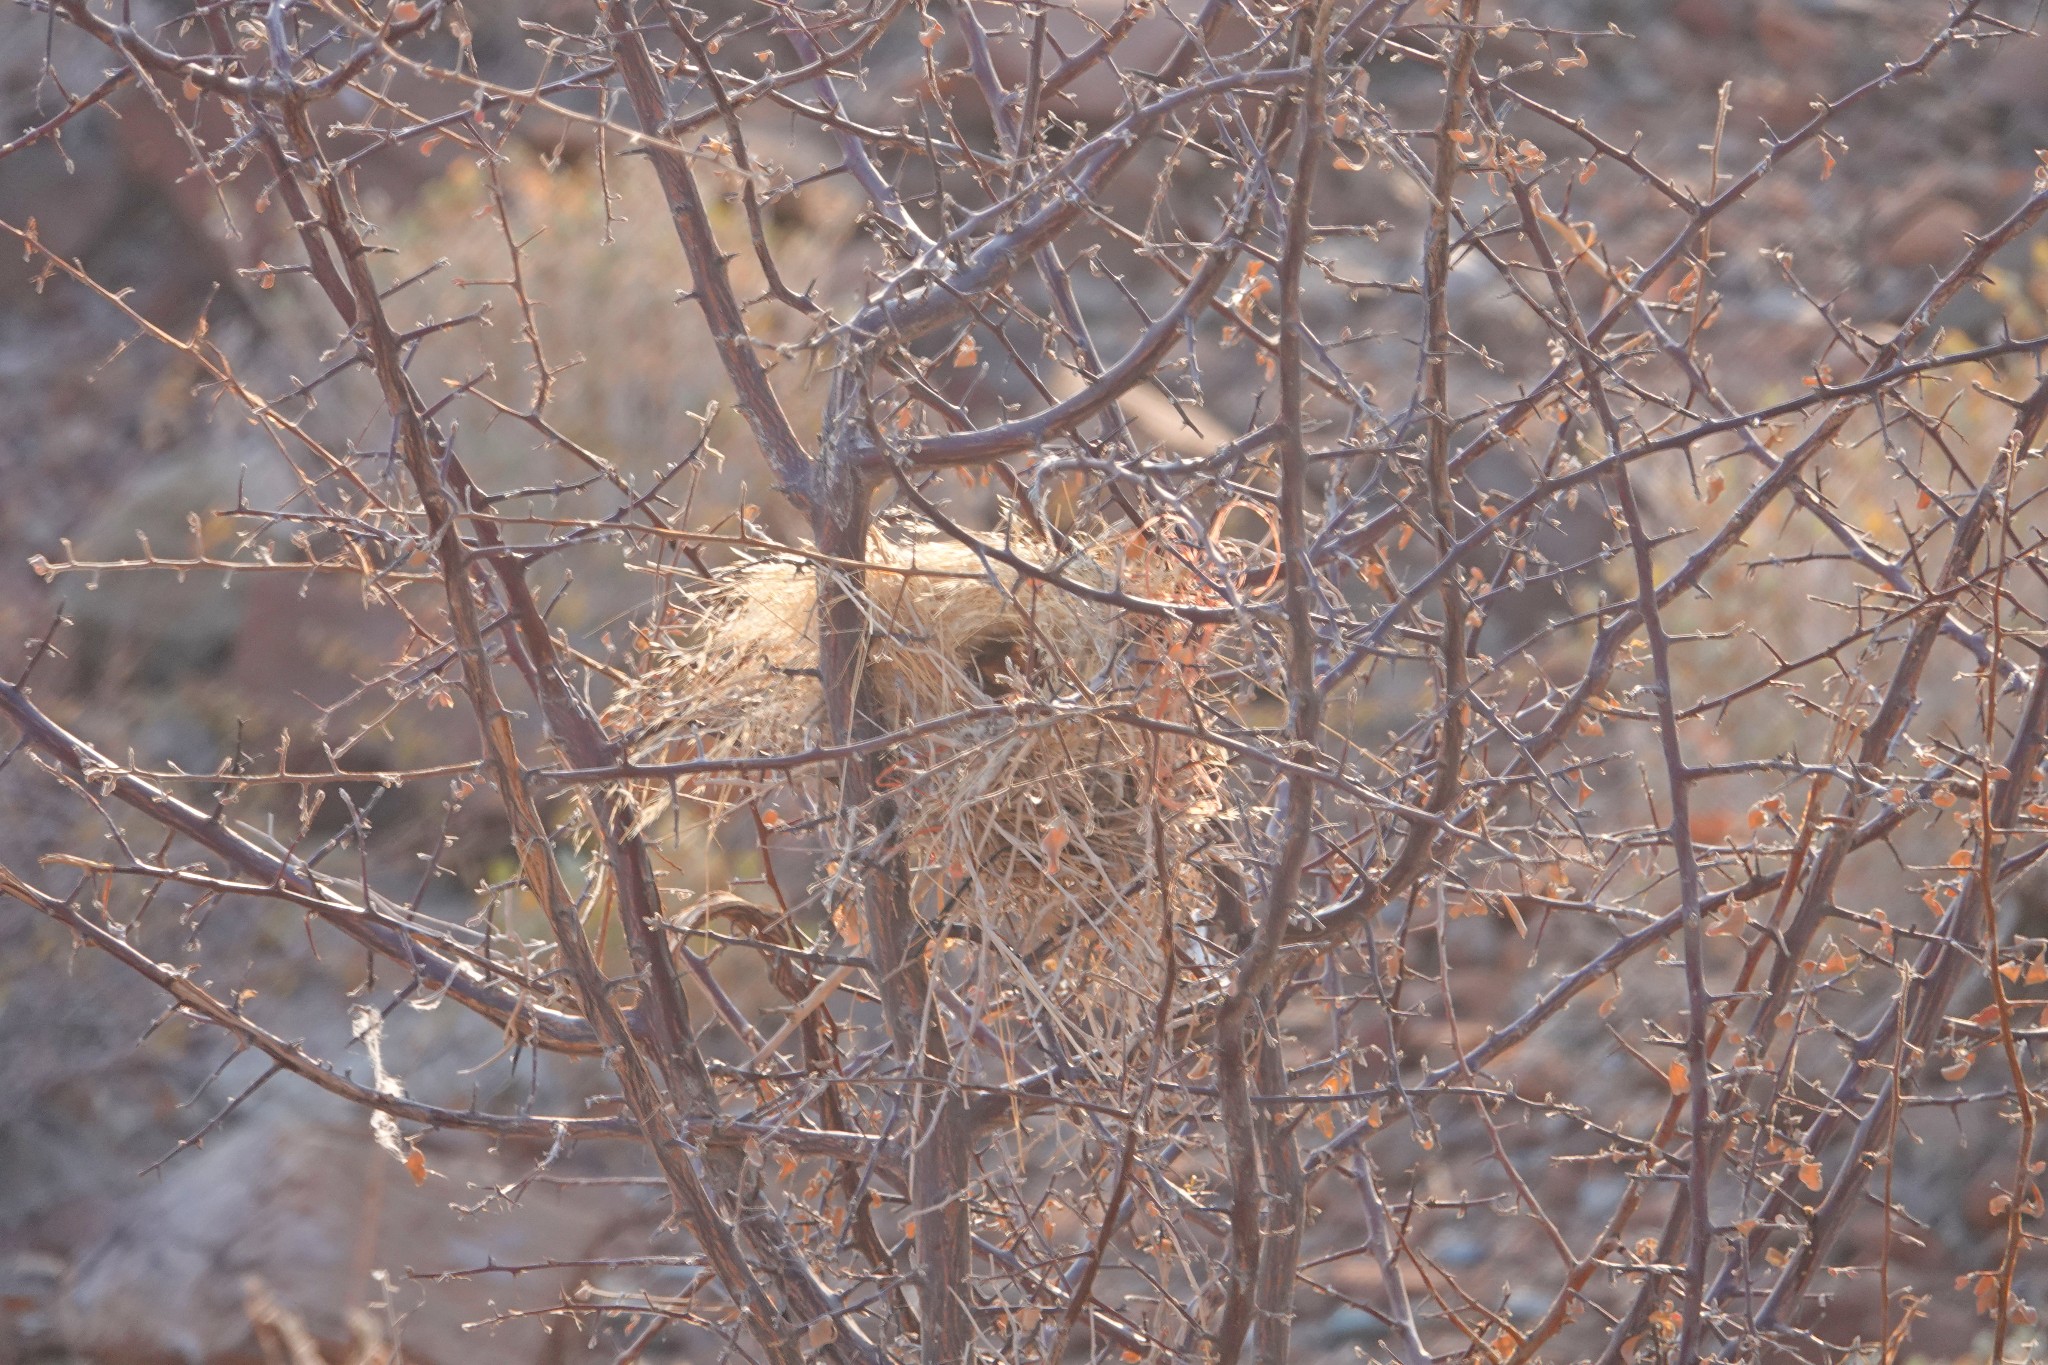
{"points": [[1052, 841], [1677, 1078]]}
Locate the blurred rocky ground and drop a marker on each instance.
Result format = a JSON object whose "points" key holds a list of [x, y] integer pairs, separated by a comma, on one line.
{"points": [[118, 1246]]}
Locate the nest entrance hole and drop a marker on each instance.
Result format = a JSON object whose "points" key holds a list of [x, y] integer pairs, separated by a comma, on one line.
{"points": [[996, 663]]}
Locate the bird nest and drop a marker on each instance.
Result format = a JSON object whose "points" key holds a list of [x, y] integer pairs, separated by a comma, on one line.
{"points": [[1047, 793]]}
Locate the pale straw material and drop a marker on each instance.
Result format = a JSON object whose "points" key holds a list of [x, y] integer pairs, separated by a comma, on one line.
{"points": [[1046, 778]]}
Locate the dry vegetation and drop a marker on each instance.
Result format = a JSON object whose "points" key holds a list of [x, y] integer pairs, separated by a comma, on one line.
{"points": [[1209, 682]]}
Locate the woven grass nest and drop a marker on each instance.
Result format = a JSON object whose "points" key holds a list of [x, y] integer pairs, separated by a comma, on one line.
{"points": [[1035, 804]]}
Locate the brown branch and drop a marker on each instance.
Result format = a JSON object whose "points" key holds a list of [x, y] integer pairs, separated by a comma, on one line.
{"points": [[710, 282]]}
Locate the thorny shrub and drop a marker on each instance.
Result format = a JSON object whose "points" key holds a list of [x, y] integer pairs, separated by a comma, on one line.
{"points": [[1362, 725]]}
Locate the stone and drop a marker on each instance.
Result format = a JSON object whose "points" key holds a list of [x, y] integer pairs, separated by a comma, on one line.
{"points": [[309, 1225]]}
